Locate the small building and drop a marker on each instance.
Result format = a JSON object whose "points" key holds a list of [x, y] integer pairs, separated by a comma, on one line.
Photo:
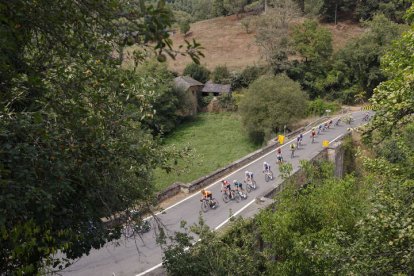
{"points": [[193, 87], [213, 89]]}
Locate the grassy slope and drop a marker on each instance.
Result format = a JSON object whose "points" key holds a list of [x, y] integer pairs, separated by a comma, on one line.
{"points": [[218, 139]]}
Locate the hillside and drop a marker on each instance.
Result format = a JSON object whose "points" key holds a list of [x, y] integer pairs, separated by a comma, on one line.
{"points": [[227, 43]]}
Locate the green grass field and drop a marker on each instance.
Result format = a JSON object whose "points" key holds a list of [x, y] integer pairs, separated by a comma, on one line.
{"points": [[217, 139]]}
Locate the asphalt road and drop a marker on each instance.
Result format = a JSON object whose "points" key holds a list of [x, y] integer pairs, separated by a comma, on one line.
{"points": [[140, 256]]}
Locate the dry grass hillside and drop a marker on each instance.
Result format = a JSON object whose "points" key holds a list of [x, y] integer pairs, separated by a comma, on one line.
{"points": [[227, 43]]}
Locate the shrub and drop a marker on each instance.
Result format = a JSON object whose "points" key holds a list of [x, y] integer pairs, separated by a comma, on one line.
{"points": [[319, 107], [197, 72], [247, 76], [221, 74]]}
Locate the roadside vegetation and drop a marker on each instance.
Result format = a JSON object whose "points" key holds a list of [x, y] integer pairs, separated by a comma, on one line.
{"points": [[217, 139]]}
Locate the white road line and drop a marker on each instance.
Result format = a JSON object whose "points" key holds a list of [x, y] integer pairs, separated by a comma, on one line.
{"points": [[149, 270], [227, 176], [235, 214]]}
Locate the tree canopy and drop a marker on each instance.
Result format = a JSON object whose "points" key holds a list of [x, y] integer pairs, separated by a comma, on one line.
{"points": [[75, 144], [270, 103]]}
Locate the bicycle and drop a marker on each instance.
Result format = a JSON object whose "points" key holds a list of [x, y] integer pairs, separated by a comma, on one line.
{"points": [[231, 195], [250, 185], [207, 204], [268, 175]]}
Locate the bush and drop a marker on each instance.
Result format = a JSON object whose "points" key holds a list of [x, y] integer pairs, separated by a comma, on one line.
{"points": [[246, 77], [221, 74], [319, 107], [197, 72], [184, 27], [270, 103]]}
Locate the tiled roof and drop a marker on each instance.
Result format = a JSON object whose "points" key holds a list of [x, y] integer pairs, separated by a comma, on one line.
{"points": [[210, 87], [186, 82]]}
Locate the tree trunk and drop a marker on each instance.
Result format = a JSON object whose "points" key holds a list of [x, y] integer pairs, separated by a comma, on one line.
{"points": [[265, 7], [336, 10]]}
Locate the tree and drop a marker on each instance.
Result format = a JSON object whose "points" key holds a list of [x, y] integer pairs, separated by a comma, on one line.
{"points": [[269, 104], [197, 72], [235, 6], [393, 100], [221, 74], [392, 9], [216, 254], [331, 8], [73, 147], [171, 103], [312, 42], [184, 27], [272, 34]]}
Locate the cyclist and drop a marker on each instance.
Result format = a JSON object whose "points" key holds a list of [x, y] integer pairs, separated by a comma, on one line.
{"points": [[279, 155], [208, 196], [248, 176], [298, 141], [238, 185], [366, 116], [292, 149], [337, 122], [320, 128], [313, 134], [225, 187], [266, 167]]}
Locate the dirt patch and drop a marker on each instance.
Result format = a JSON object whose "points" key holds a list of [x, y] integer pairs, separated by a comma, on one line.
{"points": [[226, 42]]}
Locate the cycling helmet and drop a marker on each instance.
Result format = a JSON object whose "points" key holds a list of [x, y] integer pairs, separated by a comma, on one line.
{"points": [[234, 181], [246, 172]]}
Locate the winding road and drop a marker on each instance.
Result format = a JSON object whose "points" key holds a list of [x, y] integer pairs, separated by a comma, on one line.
{"points": [[143, 256]]}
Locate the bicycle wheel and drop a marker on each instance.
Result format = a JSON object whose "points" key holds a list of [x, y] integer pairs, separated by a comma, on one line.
{"points": [[254, 186], [216, 203], [237, 197], [226, 198], [204, 206], [267, 177], [271, 175], [248, 188]]}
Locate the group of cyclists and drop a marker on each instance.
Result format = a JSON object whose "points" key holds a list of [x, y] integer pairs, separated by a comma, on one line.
{"points": [[238, 186]]}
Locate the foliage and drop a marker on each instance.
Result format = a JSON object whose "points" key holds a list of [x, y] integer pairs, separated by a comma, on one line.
{"points": [[227, 102], [318, 107], [246, 23], [269, 104], [234, 252], [170, 103], [331, 9], [74, 148], [184, 27], [246, 77], [392, 9], [272, 33], [353, 72], [235, 6], [313, 42], [393, 99], [197, 72], [221, 74]]}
